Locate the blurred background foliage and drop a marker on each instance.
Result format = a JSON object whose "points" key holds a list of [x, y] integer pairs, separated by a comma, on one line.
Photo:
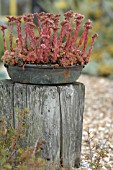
{"points": [[100, 12]]}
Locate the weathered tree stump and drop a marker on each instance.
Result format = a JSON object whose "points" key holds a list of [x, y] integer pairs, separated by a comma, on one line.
{"points": [[56, 116]]}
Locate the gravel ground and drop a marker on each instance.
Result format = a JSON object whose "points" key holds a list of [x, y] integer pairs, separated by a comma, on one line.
{"points": [[97, 145]]}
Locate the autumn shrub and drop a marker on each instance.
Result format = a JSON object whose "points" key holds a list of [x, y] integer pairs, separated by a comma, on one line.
{"points": [[105, 70], [14, 152]]}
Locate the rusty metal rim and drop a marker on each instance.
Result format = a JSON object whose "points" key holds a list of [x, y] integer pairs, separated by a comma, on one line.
{"points": [[51, 66], [45, 66]]}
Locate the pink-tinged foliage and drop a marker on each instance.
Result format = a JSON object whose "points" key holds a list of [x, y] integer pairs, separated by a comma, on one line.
{"points": [[19, 31], [91, 48], [77, 19], [10, 20], [3, 28], [87, 28], [49, 41]]}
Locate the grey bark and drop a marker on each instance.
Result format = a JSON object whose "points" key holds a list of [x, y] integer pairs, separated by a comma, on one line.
{"points": [[6, 99], [56, 117]]}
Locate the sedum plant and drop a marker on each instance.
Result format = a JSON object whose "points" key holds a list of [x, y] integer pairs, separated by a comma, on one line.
{"points": [[50, 41]]}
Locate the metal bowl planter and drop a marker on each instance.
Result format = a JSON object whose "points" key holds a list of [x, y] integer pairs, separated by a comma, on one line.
{"points": [[46, 45], [44, 74]]}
